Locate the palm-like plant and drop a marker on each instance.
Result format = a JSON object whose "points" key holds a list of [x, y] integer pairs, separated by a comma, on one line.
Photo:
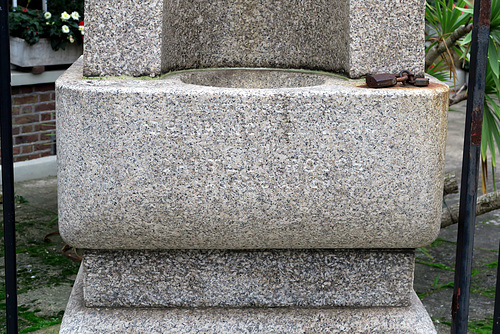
{"points": [[448, 25], [451, 23]]}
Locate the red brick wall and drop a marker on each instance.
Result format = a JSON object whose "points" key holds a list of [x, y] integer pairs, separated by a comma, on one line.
{"points": [[33, 121]]}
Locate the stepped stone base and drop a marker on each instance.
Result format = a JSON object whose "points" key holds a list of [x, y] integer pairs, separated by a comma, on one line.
{"points": [[245, 278], [389, 320]]}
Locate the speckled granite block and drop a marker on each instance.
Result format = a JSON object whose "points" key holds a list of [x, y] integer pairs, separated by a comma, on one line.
{"points": [[123, 37], [310, 34], [386, 36], [388, 320], [352, 36], [271, 278], [308, 161]]}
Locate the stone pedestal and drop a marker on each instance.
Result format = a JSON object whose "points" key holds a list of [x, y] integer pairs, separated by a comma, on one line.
{"points": [[411, 319], [276, 197], [243, 160]]}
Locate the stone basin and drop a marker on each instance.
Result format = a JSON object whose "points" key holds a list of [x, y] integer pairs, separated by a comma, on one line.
{"points": [[248, 159], [252, 78]]}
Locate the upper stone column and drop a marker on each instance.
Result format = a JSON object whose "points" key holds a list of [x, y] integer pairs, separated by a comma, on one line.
{"points": [[123, 37], [151, 37]]}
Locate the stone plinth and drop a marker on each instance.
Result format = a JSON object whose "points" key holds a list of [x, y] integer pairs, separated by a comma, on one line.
{"points": [[79, 319], [352, 36], [295, 160], [248, 192], [271, 278]]}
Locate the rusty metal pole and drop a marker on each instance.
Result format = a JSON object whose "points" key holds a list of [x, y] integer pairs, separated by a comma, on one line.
{"points": [[470, 166]]}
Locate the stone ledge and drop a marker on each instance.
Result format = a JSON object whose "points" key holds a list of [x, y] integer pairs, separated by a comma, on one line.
{"points": [[388, 320], [268, 278], [34, 169]]}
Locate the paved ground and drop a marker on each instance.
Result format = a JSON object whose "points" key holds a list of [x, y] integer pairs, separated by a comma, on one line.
{"points": [[45, 277], [434, 273]]}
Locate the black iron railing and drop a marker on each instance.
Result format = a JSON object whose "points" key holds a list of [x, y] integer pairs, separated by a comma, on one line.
{"points": [[7, 171], [470, 165]]}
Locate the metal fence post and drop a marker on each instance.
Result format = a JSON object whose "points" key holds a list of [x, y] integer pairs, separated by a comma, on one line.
{"points": [[7, 171], [470, 166]]}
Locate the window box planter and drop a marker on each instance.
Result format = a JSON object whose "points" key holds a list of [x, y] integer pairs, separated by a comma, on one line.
{"points": [[41, 54]]}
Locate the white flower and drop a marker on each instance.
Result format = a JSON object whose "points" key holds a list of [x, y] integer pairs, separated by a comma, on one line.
{"points": [[71, 39], [65, 29], [47, 15], [82, 30], [65, 16], [75, 15]]}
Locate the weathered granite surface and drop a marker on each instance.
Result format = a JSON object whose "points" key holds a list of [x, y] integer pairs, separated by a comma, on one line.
{"points": [[123, 37], [386, 36], [253, 33], [270, 278], [290, 320], [352, 36], [164, 164]]}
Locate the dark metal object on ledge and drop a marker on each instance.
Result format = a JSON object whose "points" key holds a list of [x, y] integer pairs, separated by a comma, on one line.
{"points": [[381, 80], [389, 80]]}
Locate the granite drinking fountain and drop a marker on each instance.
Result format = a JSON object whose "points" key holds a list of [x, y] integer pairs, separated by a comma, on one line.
{"points": [[246, 188]]}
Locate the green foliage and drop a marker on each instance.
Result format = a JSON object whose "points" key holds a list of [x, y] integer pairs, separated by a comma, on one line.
{"points": [[20, 199], [435, 265], [438, 73], [435, 284], [481, 327], [488, 292], [59, 6], [491, 114], [445, 17], [440, 241], [26, 24], [425, 251], [474, 326], [40, 265], [492, 264], [62, 23]]}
